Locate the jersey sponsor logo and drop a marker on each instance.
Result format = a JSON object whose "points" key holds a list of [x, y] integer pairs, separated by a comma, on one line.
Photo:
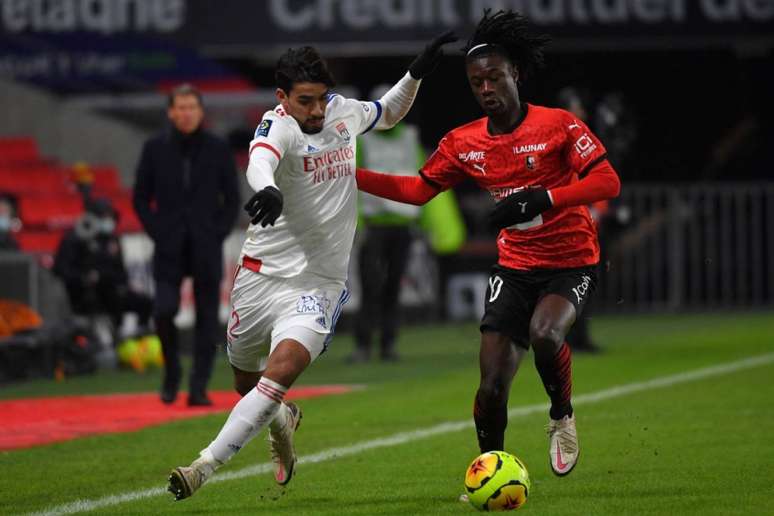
{"points": [[341, 127], [472, 156], [263, 128], [330, 165], [500, 193], [495, 286], [573, 125], [480, 167], [531, 147], [582, 288], [585, 145], [529, 161], [312, 148]]}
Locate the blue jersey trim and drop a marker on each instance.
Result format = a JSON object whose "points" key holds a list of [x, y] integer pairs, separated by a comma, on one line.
{"points": [[378, 116]]}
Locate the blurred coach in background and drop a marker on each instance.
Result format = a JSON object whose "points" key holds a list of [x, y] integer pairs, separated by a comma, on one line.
{"points": [[187, 197]]}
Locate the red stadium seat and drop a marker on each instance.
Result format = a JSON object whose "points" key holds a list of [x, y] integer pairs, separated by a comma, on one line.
{"points": [[127, 218], [50, 212], [18, 151], [35, 180], [106, 180], [39, 241]]}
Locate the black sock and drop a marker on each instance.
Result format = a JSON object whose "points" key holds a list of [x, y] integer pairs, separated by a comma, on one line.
{"points": [[491, 418]]}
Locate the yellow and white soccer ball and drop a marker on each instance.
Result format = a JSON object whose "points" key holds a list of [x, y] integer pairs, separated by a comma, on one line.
{"points": [[497, 481]]}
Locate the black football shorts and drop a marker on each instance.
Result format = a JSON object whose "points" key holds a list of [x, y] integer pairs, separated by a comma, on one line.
{"points": [[512, 296]]}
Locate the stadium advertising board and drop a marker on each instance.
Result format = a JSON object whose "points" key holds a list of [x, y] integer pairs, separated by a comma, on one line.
{"points": [[357, 26]]}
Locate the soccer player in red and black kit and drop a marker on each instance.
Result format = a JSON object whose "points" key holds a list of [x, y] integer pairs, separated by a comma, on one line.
{"points": [[543, 167]]}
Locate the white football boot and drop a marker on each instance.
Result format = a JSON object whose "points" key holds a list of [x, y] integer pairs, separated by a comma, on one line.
{"points": [[184, 481], [283, 452], [563, 447]]}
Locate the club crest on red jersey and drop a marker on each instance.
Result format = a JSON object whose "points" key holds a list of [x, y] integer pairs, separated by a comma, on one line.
{"points": [[341, 127], [530, 161]]}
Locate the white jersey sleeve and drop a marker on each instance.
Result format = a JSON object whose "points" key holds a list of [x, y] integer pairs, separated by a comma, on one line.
{"points": [[365, 114], [276, 133]]}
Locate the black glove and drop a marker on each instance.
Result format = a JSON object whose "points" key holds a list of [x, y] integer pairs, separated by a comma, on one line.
{"points": [[265, 206], [428, 59], [519, 207]]}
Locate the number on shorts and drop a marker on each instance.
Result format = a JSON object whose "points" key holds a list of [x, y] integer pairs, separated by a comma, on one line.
{"points": [[495, 285]]}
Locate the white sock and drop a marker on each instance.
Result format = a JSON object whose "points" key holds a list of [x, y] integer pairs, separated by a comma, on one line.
{"points": [[248, 417]]}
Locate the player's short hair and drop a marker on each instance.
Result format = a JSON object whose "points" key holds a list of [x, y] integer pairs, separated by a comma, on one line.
{"points": [[302, 64], [183, 90], [510, 35]]}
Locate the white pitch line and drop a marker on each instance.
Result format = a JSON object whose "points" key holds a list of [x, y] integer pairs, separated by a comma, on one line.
{"points": [[406, 437]]}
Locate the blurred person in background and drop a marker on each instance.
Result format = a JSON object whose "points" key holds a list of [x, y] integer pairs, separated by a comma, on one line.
{"points": [[543, 167], [387, 228], [90, 263], [290, 284], [8, 222], [187, 197], [579, 337], [613, 123]]}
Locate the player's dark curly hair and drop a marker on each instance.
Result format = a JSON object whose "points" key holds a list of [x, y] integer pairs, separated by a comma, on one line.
{"points": [[510, 34], [303, 64]]}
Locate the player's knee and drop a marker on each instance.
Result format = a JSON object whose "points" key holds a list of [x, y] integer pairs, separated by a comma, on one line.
{"points": [[492, 392], [544, 334]]}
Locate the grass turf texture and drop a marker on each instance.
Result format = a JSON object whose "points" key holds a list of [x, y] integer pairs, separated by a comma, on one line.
{"points": [[702, 447]]}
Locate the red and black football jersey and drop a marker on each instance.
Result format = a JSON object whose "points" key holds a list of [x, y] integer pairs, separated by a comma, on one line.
{"points": [[550, 148]]}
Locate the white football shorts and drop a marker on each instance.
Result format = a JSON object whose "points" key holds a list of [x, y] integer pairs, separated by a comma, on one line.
{"points": [[266, 310]]}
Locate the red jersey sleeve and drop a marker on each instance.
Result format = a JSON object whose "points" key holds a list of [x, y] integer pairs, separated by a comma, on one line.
{"points": [[443, 169], [583, 149]]}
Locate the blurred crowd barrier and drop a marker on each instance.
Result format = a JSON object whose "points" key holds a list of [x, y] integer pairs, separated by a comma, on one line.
{"points": [[691, 247]]}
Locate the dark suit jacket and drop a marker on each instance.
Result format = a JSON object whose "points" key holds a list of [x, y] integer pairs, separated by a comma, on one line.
{"points": [[187, 214]]}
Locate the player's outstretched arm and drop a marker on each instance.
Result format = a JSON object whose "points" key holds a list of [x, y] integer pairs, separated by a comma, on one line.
{"points": [[399, 99], [407, 189], [428, 59], [601, 183]]}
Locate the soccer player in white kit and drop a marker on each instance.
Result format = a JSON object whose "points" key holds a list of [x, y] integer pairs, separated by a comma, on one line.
{"points": [[289, 287]]}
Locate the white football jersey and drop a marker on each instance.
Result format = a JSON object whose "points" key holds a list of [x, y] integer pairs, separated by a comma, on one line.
{"points": [[316, 175]]}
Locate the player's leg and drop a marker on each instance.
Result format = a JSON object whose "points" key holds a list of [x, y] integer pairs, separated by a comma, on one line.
{"points": [[244, 381], [504, 334], [551, 321], [248, 418], [248, 338], [565, 296], [499, 360]]}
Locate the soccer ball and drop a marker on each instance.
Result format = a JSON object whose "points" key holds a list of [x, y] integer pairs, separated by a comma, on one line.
{"points": [[497, 481]]}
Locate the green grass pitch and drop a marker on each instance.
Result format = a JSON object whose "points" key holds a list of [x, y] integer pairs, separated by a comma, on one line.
{"points": [[700, 447]]}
